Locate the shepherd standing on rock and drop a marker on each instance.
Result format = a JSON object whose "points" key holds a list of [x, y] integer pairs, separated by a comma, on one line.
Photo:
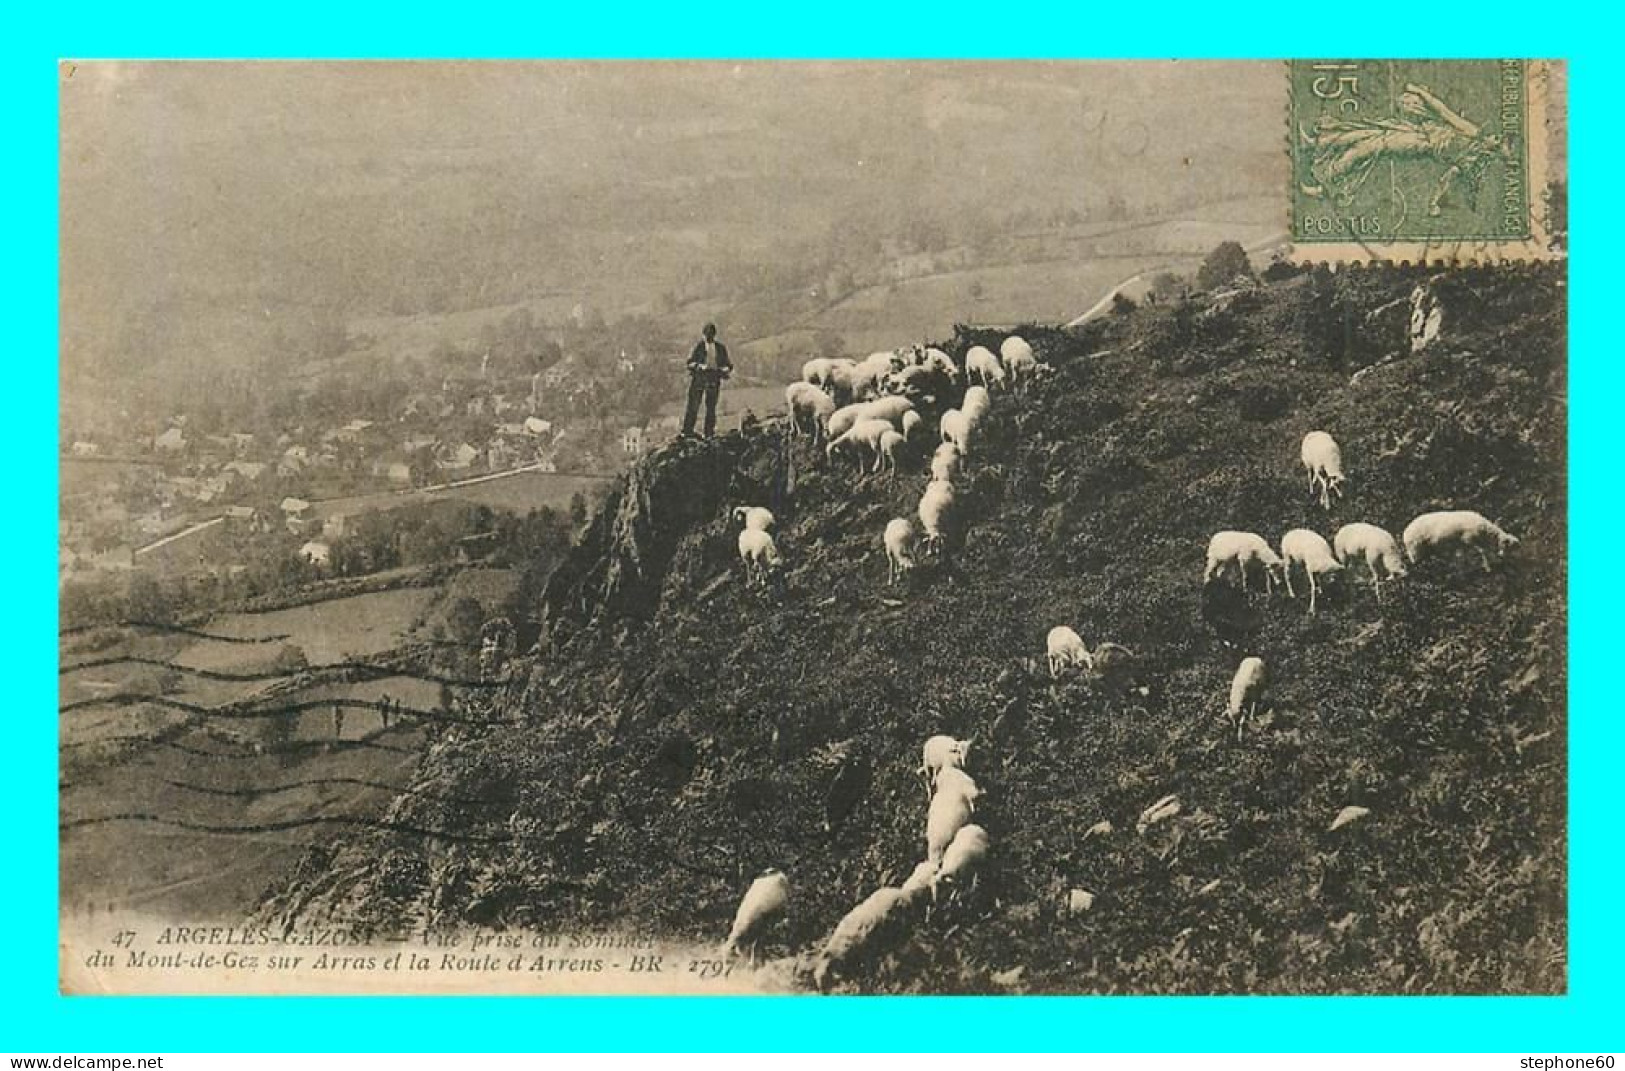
{"points": [[708, 366]]}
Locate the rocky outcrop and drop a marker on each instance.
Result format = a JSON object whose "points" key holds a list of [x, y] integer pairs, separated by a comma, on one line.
{"points": [[617, 568]]}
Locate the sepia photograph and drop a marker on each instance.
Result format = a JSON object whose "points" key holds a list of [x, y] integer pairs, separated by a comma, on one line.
{"points": [[815, 528]]}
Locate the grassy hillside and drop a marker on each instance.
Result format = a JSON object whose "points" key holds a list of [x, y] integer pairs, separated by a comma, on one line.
{"points": [[678, 732]]}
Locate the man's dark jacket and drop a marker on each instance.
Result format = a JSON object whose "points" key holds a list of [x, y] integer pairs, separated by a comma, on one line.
{"points": [[696, 358]]}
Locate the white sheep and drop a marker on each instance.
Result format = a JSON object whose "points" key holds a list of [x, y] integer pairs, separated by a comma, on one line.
{"points": [[760, 555], [976, 403], [840, 379], [1018, 358], [1376, 547], [1460, 528], [1324, 463], [858, 932], [954, 779], [956, 428], [1303, 547], [1066, 649], [1246, 688], [866, 376], [963, 858], [936, 510], [765, 899], [982, 365], [840, 422], [899, 542], [950, 810], [757, 517], [806, 402], [935, 358], [862, 436], [890, 409], [940, 752], [911, 420], [816, 371], [920, 879], [945, 463], [1240, 549], [886, 455]]}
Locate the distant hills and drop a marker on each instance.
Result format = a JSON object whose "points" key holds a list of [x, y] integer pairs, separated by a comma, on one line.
{"points": [[224, 217]]}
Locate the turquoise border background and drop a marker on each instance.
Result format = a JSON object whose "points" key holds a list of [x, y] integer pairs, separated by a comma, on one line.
{"points": [[33, 1017]]}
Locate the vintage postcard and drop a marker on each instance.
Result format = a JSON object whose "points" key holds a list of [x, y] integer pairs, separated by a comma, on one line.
{"points": [[813, 528]]}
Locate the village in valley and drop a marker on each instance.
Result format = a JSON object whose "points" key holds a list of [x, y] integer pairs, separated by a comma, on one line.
{"points": [[240, 503]]}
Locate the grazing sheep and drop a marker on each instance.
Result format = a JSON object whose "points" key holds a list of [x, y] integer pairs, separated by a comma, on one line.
{"points": [[941, 752], [859, 932], [1240, 549], [910, 421], [866, 376], [945, 463], [1018, 359], [982, 365], [936, 510], [864, 435], [863, 379], [840, 379], [886, 457], [976, 403], [935, 358], [764, 899], [956, 425], [757, 517], [950, 810], [889, 409], [1066, 649], [816, 371], [1306, 548], [953, 779], [1372, 545], [1246, 688], [806, 402], [1460, 528], [840, 422], [920, 879], [899, 542], [1324, 462], [963, 858], [760, 555]]}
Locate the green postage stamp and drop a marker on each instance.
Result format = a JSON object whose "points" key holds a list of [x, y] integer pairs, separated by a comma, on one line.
{"points": [[1418, 159]]}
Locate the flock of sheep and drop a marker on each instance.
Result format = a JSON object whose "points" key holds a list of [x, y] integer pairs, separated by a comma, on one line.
{"points": [[869, 409], [1353, 545], [956, 848]]}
